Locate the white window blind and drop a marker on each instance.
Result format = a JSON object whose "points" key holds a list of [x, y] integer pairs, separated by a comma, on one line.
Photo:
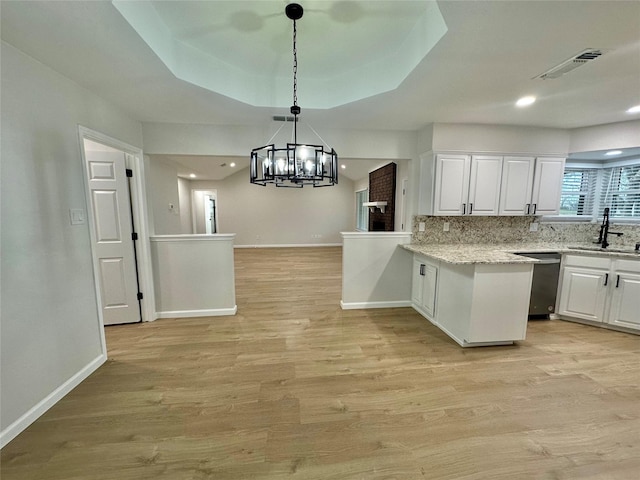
{"points": [[578, 192], [620, 191]]}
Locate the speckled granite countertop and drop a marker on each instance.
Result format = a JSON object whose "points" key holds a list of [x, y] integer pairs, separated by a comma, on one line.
{"points": [[496, 253]]}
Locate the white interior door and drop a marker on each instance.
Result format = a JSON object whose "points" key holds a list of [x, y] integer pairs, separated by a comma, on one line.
{"points": [[112, 233]]}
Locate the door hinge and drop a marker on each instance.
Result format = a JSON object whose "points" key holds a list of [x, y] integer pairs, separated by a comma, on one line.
{"points": [[140, 296], [129, 172], [134, 236]]}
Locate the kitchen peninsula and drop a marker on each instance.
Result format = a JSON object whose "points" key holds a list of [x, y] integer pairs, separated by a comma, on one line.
{"points": [[476, 293]]}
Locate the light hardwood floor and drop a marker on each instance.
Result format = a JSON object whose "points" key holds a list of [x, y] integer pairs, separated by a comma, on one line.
{"points": [[294, 387]]}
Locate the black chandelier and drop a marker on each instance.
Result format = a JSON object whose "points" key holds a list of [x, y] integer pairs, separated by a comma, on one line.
{"points": [[297, 164]]}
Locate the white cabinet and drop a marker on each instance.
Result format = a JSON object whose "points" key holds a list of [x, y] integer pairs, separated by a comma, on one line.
{"points": [[475, 304], [424, 286], [625, 297], [531, 186], [467, 185], [603, 290], [547, 186], [584, 291]]}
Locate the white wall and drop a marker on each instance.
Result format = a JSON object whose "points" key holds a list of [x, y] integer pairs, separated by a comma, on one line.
{"points": [[50, 330], [499, 139], [162, 188], [606, 137], [282, 216], [231, 140]]}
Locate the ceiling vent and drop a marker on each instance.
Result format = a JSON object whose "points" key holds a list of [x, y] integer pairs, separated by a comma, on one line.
{"points": [[282, 118], [574, 62]]}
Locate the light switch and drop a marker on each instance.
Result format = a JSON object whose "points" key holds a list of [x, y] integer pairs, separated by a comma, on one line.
{"points": [[445, 227], [77, 215]]}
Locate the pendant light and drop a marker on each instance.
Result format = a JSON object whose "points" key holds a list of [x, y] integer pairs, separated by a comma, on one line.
{"points": [[296, 164]]}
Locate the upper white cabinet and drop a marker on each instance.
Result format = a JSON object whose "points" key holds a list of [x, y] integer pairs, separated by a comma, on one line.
{"points": [[547, 186], [456, 184], [531, 186], [467, 185]]}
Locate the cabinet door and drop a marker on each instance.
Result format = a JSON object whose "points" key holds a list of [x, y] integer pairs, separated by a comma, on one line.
{"points": [[452, 184], [584, 293], [517, 185], [417, 282], [429, 290], [547, 185], [484, 185], [625, 300]]}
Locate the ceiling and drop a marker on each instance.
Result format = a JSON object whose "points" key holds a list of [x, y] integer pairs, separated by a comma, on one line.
{"points": [[486, 59]]}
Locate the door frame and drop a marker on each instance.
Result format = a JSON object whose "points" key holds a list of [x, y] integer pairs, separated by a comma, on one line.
{"points": [[134, 160], [194, 206]]}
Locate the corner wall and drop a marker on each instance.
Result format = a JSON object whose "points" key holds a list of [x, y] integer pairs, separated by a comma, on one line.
{"points": [[50, 330]]}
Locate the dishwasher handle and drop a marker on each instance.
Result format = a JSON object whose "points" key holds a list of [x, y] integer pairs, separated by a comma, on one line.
{"points": [[548, 261]]}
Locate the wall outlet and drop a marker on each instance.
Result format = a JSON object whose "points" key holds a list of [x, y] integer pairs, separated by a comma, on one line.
{"points": [[533, 227], [445, 227], [422, 227]]}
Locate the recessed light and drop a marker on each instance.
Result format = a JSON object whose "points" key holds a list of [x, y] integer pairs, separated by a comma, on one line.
{"points": [[635, 109], [613, 152], [343, 166], [192, 175], [525, 101], [232, 164]]}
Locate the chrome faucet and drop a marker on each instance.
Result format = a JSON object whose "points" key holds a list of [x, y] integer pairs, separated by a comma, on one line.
{"points": [[604, 230]]}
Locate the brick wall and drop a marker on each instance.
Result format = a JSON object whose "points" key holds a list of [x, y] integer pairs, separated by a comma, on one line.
{"points": [[382, 188]]}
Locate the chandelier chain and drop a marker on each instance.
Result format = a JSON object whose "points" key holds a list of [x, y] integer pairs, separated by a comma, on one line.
{"points": [[295, 65]]}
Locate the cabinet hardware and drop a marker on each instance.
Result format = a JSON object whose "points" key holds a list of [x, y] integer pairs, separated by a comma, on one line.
{"points": [[470, 208], [535, 208], [617, 281], [422, 269], [528, 208], [606, 279], [464, 208]]}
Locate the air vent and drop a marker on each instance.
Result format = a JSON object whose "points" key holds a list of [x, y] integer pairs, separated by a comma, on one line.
{"points": [[282, 118], [572, 63]]}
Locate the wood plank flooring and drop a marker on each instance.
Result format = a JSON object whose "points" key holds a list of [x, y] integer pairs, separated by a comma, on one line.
{"points": [[292, 387]]}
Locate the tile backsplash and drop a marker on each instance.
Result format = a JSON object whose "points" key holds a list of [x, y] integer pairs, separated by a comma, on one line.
{"points": [[514, 229]]}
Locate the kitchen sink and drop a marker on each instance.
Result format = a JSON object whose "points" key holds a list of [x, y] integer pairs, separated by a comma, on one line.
{"points": [[604, 250]]}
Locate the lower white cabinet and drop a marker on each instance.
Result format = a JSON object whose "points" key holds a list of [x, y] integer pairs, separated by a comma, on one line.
{"points": [[475, 304], [424, 286], [602, 290]]}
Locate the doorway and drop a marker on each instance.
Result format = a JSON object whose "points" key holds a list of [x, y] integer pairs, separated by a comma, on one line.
{"points": [[116, 215], [205, 208]]}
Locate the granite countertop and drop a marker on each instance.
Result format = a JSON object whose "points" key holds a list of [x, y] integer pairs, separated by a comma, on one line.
{"points": [[496, 253]]}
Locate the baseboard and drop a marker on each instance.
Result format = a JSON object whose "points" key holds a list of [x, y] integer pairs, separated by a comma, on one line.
{"points": [[215, 312], [365, 305], [13, 430], [294, 245]]}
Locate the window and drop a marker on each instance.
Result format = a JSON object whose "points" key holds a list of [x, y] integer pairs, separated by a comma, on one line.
{"points": [[362, 213], [588, 190], [620, 191], [578, 192]]}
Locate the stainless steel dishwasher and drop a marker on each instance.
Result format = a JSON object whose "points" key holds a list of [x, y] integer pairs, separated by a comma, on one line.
{"points": [[544, 285]]}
